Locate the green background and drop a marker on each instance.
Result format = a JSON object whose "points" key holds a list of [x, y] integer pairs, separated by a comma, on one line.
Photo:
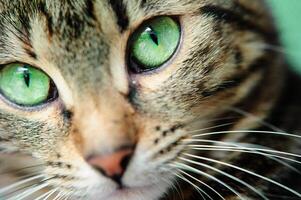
{"points": [[288, 17]]}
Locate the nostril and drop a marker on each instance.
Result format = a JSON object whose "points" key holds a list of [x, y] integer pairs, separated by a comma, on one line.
{"points": [[125, 161], [100, 170], [117, 179]]}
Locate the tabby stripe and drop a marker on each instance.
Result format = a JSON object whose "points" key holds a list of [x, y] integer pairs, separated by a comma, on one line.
{"points": [[4, 140], [89, 10], [31, 53], [248, 103], [49, 20], [121, 14], [24, 34], [236, 81], [228, 16], [244, 9]]}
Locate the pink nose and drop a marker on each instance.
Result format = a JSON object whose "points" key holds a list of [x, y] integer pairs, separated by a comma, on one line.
{"points": [[112, 165]]}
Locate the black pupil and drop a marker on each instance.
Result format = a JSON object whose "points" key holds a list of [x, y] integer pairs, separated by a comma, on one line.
{"points": [[153, 35], [26, 76]]}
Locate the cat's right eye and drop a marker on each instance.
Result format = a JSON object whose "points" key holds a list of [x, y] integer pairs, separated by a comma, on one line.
{"points": [[25, 85], [153, 44]]}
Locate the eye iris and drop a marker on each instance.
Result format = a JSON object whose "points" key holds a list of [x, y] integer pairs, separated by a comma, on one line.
{"points": [[155, 42], [24, 85]]}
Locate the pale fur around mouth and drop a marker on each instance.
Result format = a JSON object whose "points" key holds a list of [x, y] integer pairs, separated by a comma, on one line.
{"points": [[134, 193]]}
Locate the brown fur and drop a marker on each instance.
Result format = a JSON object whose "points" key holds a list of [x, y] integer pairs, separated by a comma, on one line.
{"points": [[102, 107]]}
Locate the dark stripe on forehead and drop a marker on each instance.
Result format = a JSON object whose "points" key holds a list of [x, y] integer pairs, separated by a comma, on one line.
{"points": [[89, 10], [49, 21], [243, 8], [31, 53], [22, 30], [121, 13], [229, 16]]}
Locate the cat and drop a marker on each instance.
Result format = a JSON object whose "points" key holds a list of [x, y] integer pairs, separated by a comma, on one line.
{"points": [[146, 100]]}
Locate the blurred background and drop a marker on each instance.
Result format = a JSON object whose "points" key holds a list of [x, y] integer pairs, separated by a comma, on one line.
{"points": [[288, 17]]}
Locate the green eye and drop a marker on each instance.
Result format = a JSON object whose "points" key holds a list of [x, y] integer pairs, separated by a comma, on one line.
{"points": [[25, 85], [154, 43]]}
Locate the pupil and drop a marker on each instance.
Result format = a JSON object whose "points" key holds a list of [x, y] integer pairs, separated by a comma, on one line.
{"points": [[153, 35], [26, 76]]}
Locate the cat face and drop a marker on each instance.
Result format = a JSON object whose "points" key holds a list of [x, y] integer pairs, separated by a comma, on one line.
{"points": [[123, 85]]}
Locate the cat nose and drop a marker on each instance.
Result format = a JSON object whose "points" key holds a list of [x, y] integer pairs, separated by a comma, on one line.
{"points": [[112, 165]]}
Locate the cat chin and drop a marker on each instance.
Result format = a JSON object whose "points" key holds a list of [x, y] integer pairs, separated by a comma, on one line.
{"points": [[152, 192]]}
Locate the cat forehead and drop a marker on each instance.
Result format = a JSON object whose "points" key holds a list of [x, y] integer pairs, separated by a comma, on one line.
{"points": [[75, 35], [72, 20], [78, 37], [77, 13]]}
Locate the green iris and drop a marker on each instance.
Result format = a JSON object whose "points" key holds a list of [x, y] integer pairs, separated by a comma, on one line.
{"points": [[155, 43], [24, 85]]}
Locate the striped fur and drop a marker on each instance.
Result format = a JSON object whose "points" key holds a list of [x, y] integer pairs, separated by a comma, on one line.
{"points": [[225, 77]]}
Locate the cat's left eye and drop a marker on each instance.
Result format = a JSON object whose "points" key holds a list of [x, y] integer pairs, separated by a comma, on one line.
{"points": [[25, 85], [153, 44]]}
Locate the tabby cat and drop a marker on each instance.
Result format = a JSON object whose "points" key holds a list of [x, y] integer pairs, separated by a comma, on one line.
{"points": [[146, 100]]}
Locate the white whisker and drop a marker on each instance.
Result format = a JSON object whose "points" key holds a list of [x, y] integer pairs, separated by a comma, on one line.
{"points": [[175, 185], [57, 196], [45, 195], [244, 132], [227, 175], [255, 118], [201, 182], [279, 49], [29, 192], [49, 195], [14, 185], [200, 191], [246, 171], [217, 126], [252, 152], [241, 146], [187, 167]]}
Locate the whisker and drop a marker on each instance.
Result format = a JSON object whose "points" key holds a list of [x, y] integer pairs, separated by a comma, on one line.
{"points": [[246, 171], [237, 146], [7, 188], [179, 190], [278, 49], [257, 119], [21, 169], [245, 131], [67, 197], [197, 119], [29, 192], [251, 152], [63, 196], [45, 195], [200, 191], [227, 175], [57, 196], [192, 169], [174, 186], [29, 186], [201, 182], [255, 150], [216, 126]]}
